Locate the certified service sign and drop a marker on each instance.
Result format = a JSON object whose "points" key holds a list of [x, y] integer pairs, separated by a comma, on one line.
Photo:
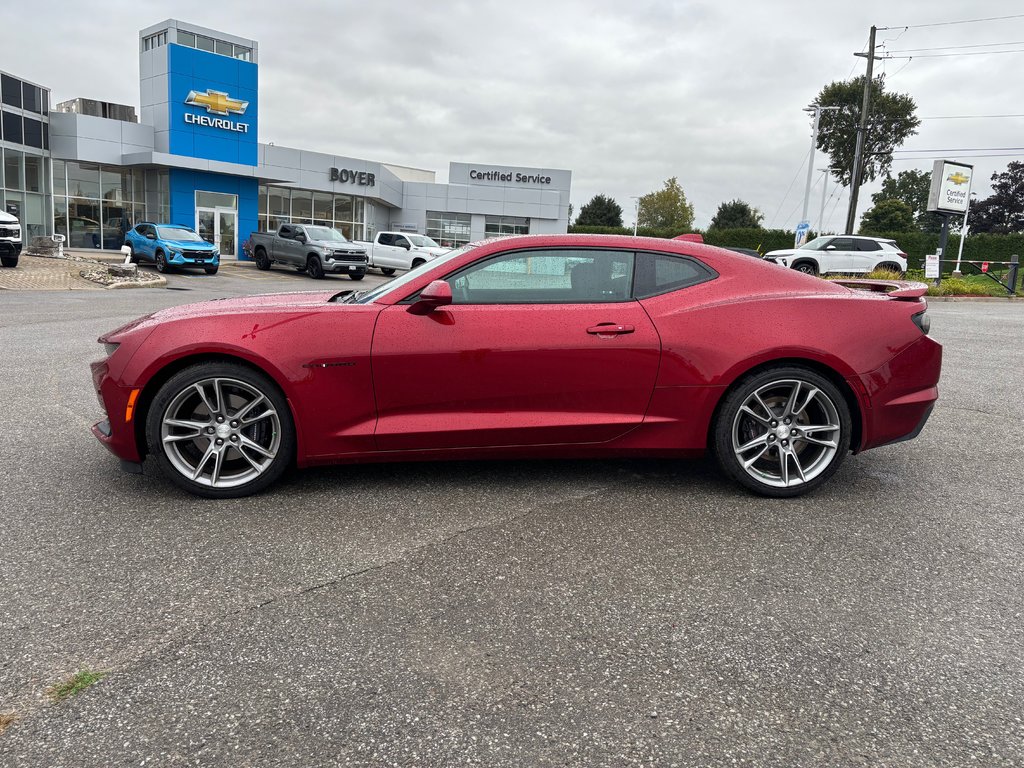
{"points": [[951, 187]]}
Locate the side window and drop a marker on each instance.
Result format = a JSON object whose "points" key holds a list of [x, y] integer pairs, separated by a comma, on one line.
{"points": [[151, 230], [400, 241], [385, 239], [141, 230], [658, 273], [843, 244], [555, 276], [868, 245], [286, 232]]}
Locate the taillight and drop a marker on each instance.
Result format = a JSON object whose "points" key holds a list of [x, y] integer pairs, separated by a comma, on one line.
{"points": [[922, 321], [901, 254]]}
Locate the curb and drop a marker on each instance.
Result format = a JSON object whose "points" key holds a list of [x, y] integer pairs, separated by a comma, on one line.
{"points": [[160, 282], [972, 298]]}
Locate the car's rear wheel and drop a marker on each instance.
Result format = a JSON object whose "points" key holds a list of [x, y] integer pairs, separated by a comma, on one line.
{"points": [[387, 271], [890, 266], [262, 260], [221, 430], [807, 267], [161, 262], [783, 431], [314, 267]]}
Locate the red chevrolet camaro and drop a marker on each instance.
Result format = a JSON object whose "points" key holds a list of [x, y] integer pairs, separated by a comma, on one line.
{"points": [[536, 346]]}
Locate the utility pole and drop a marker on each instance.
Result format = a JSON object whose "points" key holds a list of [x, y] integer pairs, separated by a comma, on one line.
{"points": [[858, 155], [824, 187], [817, 109], [636, 215]]}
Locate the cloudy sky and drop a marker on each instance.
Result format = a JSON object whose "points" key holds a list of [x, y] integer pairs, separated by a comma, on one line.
{"points": [[625, 95]]}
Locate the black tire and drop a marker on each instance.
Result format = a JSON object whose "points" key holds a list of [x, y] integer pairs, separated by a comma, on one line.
{"points": [[262, 260], [9, 261], [210, 270], [314, 267], [161, 262], [763, 460], [267, 438], [387, 271], [807, 267], [357, 275], [417, 262]]}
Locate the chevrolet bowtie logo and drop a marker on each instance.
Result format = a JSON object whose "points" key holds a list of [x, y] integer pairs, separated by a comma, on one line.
{"points": [[958, 178], [216, 102]]}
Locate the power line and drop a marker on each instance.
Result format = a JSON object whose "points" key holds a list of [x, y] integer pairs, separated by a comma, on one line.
{"points": [[966, 149], [944, 156], [949, 23], [966, 53], [965, 117], [954, 47]]}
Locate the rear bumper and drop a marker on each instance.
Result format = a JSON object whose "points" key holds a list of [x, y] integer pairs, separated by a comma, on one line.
{"points": [[900, 395]]}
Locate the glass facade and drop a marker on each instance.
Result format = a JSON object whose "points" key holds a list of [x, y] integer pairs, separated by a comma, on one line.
{"points": [[450, 230], [94, 205], [203, 43], [506, 225], [24, 160], [282, 205]]}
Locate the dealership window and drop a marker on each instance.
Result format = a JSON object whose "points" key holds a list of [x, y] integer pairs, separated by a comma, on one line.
{"points": [[154, 41], [450, 230], [243, 53], [10, 90], [12, 128], [35, 177], [506, 225], [94, 205], [279, 205], [186, 38], [14, 168]]}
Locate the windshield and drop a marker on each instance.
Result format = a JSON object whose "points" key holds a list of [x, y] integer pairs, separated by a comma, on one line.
{"points": [[816, 244], [179, 233], [422, 241], [325, 233], [412, 274]]}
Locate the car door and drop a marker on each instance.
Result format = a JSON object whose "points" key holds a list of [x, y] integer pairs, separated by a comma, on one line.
{"points": [[386, 254], [865, 256], [539, 347], [838, 255], [146, 241], [286, 247]]}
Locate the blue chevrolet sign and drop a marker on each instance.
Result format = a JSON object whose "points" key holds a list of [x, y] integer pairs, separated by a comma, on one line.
{"points": [[213, 106]]}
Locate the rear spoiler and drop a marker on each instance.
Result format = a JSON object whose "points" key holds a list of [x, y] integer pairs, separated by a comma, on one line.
{"points": [[897, 289]]}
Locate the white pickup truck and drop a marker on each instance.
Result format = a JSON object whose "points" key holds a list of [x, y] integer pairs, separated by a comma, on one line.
{"points": [[400, 250], [10, 240]]}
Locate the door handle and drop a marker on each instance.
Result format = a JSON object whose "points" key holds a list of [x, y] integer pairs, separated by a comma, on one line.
{"points": [[609, 329]]}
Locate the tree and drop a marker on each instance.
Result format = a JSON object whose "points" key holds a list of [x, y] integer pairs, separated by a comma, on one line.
{"points": [[666, 209], [888, 216], [736, 215], [1002, 212], [601, 211], [891, 121], [912, 187]]}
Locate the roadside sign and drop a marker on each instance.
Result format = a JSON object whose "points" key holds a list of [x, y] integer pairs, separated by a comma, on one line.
{"points": [[951, 187], [984, 266], [931, 266], [801, 233]]}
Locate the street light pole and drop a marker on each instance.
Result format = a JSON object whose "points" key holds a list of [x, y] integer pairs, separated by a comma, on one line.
{"points": [[817, 109], [636, 214], [963, 236]]}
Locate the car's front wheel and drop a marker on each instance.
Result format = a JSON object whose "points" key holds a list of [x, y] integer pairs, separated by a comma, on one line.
{"points": [[387, 271], [782, 431], [314, 267], [807, 267], [161, 262], [9, 261], [221, 430]]}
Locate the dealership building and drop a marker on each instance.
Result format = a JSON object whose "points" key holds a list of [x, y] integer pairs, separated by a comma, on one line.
{"points": [[89, 170]]}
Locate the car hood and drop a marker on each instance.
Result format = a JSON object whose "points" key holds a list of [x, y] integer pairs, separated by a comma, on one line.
{"points": [[189, 245], [783, 252], [337, 245], [434, 252]]}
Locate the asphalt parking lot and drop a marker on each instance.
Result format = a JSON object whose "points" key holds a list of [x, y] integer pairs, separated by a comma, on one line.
{"points": [[514, 614]]}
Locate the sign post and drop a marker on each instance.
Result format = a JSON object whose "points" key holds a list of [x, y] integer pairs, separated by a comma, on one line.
{"points": [[949, 195]]}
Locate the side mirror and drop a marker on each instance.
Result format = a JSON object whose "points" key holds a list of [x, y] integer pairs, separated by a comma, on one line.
{"points": [[437, 294], [407, 245], [300, 237]]}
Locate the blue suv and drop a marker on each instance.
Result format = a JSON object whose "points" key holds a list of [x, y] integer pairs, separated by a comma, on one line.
{"points": [[171, 245]]}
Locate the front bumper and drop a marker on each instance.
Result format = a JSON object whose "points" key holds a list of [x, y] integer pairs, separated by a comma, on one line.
{"points": [[117, 431], [334, 265], [193, 260], [9, 248]]}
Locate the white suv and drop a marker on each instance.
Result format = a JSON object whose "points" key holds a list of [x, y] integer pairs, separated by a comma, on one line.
{"points": [[10, 240], [848, 254]]}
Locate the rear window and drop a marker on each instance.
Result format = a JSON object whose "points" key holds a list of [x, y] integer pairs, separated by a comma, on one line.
{"points": [[658, 273], [868, 245]]}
